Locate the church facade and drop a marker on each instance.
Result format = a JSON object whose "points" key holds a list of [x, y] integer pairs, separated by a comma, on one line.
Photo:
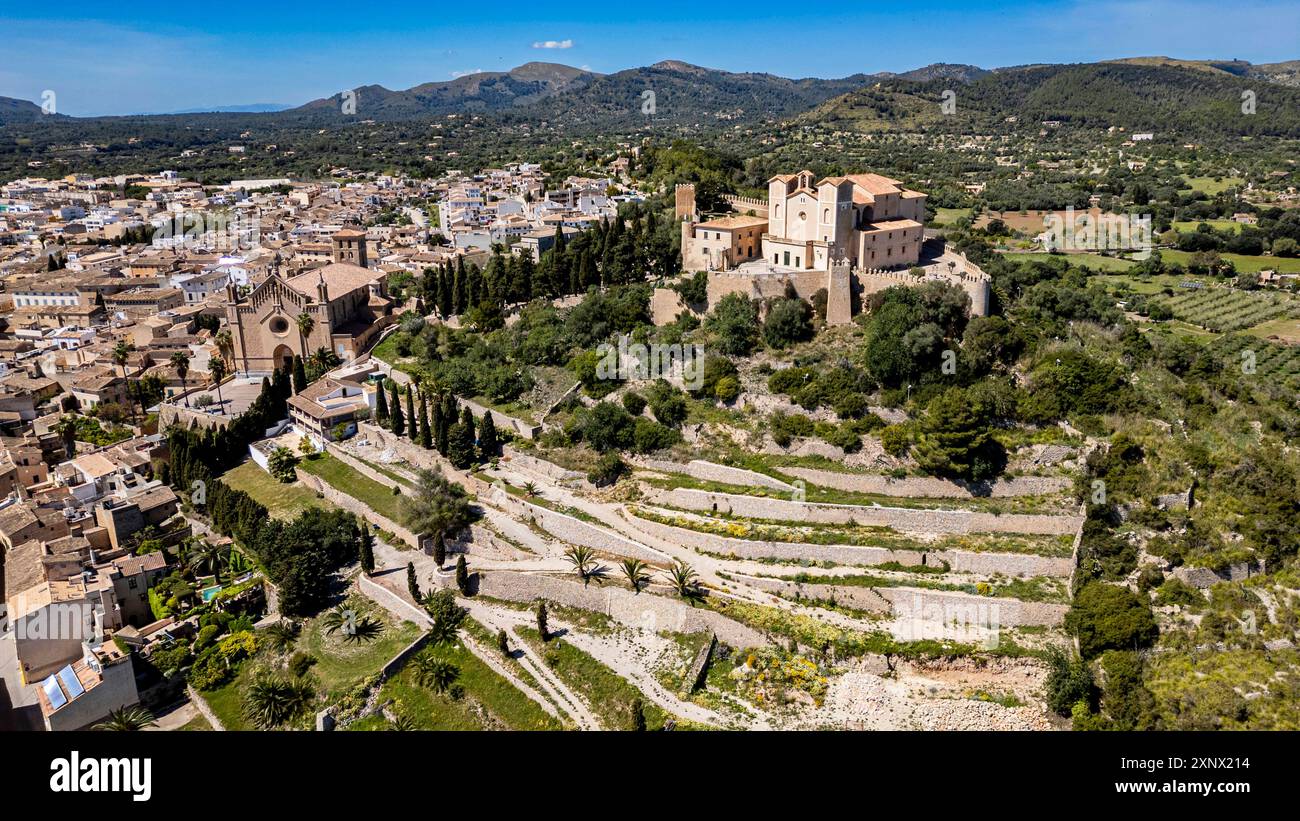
{"points": [[347, 303]]}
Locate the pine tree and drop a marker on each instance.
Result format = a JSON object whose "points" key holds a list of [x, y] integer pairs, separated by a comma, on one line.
{"points": [[412, 586], [426, 435], [299, 375], [413, 426], [399, 422], [488, 444], [541, 621], [462, 575]]}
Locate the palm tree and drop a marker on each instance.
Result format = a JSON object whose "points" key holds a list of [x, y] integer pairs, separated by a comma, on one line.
{"points": [[283, 634], [271, 700], [67, 430], [181, 362], [208, 557], [583, 559], [434, 673], [403, 724], [127, 719], [218, 367], [354, 629], [683, 580], [225, 344], [634, 570], [531, 489], [305, 326], [122, 352]]}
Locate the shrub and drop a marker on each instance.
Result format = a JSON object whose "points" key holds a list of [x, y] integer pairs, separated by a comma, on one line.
{"points": [[300, 663], [896, 440], [608, 469], [727, 389], [1107, 617], [634, 403]]}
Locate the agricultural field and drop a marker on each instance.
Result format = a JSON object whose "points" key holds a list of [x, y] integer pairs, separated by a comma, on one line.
{"points": [[1212, 185], [1222, 310], [1242, 262], [1272, 361], [1188, 226]]}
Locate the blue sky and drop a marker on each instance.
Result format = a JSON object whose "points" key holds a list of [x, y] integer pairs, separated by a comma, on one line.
{"points": [[172, 56]]}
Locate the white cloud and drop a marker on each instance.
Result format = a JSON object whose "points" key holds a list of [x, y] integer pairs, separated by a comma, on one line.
{"points": [[553, 44], [456, 74]]}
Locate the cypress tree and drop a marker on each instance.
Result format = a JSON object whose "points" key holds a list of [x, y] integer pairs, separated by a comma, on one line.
{"points": [[439, 550], [412, 586], [381, 404], [503, 643], [395, 407], [488, 444], [366, 549], [638, 715], [541, 621], [299, 375], [467, 419], [412, 427], [462, 575], [444, 291], [426, 435]]}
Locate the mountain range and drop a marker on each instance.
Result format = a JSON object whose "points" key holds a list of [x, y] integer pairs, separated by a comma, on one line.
{"points": [[684, 96]]}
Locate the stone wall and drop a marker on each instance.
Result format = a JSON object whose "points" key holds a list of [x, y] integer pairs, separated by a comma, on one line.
{"points": [[644, 610], [941, 606], [572, 530], [901, 519], [959, 561], [519, 427], [928, 487], [713, 472], [665, 305], [1204, 577], [515, 458], [337, 497]]}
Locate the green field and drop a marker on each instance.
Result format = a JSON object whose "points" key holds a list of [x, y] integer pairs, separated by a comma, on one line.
{"points": [[1095, 261], [1190, 226], [346, 479], [339, 667], [489, 701], [284, 501], [948, 216], [1211, 185], [1285, 265]]}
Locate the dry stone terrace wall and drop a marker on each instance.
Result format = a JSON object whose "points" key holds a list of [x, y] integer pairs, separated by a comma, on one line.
{"points": [[644, 610], [352, 505], [572, 530], [901, 519], [923, 487], [713, 472], [939, 606], [959, 561], [532, 464]]}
